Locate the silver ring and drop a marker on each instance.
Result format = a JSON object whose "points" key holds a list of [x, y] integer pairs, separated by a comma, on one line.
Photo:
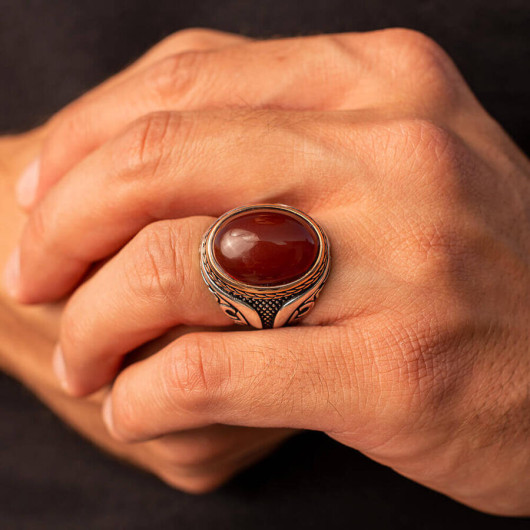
{"points": [[265, 264]]}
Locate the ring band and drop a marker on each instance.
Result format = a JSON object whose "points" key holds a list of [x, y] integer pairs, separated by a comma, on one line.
{"points": [[265, 264]]}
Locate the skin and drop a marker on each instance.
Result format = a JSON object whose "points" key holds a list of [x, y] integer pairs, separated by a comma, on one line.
{"points": [[417, 352], [194, 460]]}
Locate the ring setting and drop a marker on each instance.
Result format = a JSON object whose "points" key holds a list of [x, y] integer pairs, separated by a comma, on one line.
{"points": [[265, 264]]}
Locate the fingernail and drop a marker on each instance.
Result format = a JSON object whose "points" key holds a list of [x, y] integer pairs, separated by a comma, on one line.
{"points": [[26, 188], [12, 273], [107, 413], [59, 367]]}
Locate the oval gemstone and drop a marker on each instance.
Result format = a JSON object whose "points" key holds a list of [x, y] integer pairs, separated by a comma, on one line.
{"points": [[266, 247]]}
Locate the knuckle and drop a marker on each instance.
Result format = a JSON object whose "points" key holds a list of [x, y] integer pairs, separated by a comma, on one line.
{"points": [[411, 46], [420, 147], [194, 377], [416, 345], [434, 161], [158, 269], [426, 139], [419, 364], [436, 252], [145, 143], [174, 77], [73, 123], [408, 37], [192, 38], [149, 143], [431, 164], [421, 64]]}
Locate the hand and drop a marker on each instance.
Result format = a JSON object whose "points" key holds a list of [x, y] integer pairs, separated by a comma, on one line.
{"points": [[195, 460], [417, 352]]}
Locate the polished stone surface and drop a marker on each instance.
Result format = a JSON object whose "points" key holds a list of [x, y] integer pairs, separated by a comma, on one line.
{"points": [[266, 248]]}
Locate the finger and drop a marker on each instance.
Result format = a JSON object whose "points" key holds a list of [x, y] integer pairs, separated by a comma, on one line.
{"points": [[186, 40], [159, 169], [74, 131], [305, 377], [257, 74], [207, 450], [191, 39], [153, 284], [207, 462]]}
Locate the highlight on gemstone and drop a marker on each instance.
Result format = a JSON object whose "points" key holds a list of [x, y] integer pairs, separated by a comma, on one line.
{"points": [[266, 247]]}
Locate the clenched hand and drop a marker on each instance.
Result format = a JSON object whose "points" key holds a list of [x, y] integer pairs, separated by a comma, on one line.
{"points": [[417, 353]]}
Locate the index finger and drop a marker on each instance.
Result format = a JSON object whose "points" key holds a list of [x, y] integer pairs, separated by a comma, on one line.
{"points": [[74, 131], [158, 170]]}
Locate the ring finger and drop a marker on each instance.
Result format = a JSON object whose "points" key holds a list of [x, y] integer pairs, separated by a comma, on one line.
{"points": [[150, 286], [153, 284]]}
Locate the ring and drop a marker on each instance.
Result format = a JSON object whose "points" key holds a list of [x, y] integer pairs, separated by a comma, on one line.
{"points": [[265, 264]]}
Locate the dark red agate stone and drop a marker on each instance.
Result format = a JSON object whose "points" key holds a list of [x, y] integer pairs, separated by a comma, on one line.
{"points": [[266, 247]]}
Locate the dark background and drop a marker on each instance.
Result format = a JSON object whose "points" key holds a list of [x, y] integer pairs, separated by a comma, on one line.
{"points": [[51, 51]]}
